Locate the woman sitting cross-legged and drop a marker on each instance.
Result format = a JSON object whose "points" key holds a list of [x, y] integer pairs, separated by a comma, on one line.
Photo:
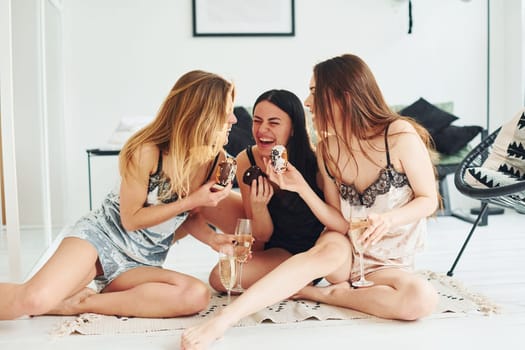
{"points": [[165, 173], [278, 119]]}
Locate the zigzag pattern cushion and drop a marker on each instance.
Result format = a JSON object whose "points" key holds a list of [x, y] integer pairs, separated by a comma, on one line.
{"points": [[483, 177], [506, 162]]}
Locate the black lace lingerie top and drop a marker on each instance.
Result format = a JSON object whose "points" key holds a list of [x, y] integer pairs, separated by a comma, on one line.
{"points": [[387, 177]]}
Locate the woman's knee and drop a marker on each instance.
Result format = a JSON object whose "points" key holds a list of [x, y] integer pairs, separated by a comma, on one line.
{"points": [[35, 300], [419, 300], [332, 249], [215, 281], [197, 296]]}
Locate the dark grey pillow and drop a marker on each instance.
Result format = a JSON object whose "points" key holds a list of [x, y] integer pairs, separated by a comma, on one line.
{"points": [[431, 117], [453, 138], [241, 133]]}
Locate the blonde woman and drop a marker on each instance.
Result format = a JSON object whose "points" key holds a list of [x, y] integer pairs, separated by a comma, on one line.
{"points": [[165, 174], [368, 155]]}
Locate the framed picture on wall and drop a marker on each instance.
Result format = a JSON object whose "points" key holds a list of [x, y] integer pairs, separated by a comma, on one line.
{"points": [[243, 18]]}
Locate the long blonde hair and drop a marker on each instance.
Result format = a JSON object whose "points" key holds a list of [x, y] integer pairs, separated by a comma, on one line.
{"points": [[189, 127], [348, 83]]}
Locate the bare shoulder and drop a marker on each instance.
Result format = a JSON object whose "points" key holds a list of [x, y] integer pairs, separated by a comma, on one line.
{"points": [[402, 132], [146, 157], [405, 144], [401, 126]]}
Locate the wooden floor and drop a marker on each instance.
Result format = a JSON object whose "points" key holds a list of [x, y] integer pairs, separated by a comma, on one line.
{"points": [[493, 264]]}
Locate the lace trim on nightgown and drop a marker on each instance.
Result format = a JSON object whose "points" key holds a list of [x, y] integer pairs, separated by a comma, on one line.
{"points": [[387, 177]]}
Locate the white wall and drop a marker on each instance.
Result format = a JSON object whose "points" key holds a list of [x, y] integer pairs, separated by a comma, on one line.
{"points": [[27, 109], [507, 60], [37, 63], [122, 56]]}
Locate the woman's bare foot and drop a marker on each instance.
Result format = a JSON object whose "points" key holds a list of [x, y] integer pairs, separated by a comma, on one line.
{"points": [[320, 293], [69, 306], [200, 337]]}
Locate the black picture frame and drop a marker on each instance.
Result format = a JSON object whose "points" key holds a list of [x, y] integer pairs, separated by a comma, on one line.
{"points": [[243, 18]]}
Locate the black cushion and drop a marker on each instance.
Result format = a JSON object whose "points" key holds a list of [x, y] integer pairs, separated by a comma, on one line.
{"points": [[452, 139], [241, 133], [434, 119]]}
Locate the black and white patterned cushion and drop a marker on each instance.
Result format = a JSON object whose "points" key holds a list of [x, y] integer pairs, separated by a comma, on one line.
{"points": [[515, 161], [482, 178], [506, 163], [508, 148]]}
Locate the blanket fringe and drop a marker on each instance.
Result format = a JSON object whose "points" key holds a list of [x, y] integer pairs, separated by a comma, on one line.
{"points": [[485, 305], [71, 326]]}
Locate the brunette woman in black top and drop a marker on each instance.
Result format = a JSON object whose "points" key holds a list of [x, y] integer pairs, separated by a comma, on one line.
{"points": [[282, 222]]}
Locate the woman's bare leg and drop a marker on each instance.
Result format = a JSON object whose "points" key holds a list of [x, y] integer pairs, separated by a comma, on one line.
{"points": [[261, 263], [143, 292], [68, 271], [68, 305], [331, 253], [396, 294]]}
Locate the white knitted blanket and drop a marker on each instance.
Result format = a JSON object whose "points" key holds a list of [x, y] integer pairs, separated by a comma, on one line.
{"points": [[455, 300]]}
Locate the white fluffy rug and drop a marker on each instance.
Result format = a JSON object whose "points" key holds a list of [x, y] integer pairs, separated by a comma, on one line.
{"points": [[455, 300]]}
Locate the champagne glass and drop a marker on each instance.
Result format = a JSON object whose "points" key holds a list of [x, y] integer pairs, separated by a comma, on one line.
{"points": [[227, 268], [243, 245], [358, 225]]}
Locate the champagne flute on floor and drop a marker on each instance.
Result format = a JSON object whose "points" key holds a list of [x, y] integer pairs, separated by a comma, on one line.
{"points": [[243, 245], [227, 268], [358, 225]]}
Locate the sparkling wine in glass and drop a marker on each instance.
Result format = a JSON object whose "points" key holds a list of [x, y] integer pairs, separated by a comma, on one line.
{"points": [[227, 268], [358, 225], [243, 245]]}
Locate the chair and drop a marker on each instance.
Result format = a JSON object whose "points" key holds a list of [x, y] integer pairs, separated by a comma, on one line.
{"points": [[443, 170], [507, 196]]}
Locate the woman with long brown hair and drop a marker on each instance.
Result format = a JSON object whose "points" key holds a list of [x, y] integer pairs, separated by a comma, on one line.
{"points": [[367, 155], [165, 173]]}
